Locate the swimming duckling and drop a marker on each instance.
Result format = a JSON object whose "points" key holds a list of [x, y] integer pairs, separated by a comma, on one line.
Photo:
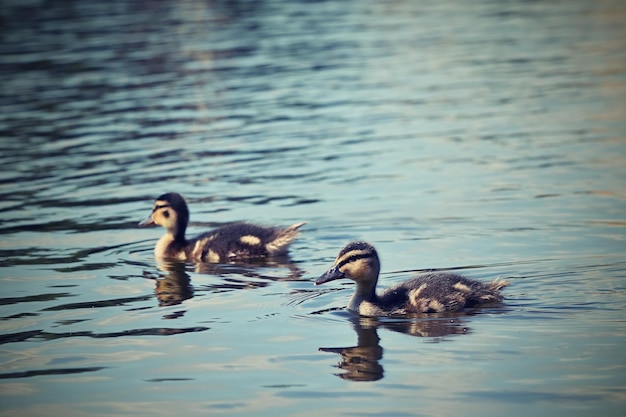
{"points": [[234, 241], [429, 293]]}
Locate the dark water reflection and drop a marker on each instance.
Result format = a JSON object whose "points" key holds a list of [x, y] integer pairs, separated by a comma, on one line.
{"points": [[487, 139], [362, 362], [173, 283], [174, 287]]}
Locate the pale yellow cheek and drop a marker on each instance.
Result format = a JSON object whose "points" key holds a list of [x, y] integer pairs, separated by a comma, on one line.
{"points": [[159, 219], [357, 269], [167, 222]]}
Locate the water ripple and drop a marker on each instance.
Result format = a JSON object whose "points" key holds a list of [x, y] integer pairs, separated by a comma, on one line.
{"points": [[486, 139]]}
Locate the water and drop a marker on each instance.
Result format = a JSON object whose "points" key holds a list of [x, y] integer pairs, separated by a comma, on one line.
{"points": [[488, 139]]}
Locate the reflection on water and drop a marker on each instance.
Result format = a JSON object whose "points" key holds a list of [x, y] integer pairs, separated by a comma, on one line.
{"points": [[361, 362], [173, 285], [41, 372], [273, 269]]}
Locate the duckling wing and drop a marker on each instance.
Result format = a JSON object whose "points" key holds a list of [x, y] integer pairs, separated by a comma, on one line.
{"points": [[439, 292], [282, 238], [244, 240]]}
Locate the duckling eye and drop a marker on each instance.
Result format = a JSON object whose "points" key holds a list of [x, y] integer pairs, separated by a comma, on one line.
{"points": [[166, 214]]}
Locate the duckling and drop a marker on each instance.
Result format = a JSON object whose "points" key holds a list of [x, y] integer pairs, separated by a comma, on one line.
{"points": [[429, 293], [234, 241]]}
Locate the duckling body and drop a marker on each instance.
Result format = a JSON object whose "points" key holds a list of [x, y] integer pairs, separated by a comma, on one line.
{"points": [[428, 293], [234, 241]]}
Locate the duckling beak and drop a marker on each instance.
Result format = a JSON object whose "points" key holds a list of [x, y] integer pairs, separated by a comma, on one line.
{"points": [[147, 222], [330, 275]]}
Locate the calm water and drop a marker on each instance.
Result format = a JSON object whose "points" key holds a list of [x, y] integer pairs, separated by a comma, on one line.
{"points": [[488, 138]]}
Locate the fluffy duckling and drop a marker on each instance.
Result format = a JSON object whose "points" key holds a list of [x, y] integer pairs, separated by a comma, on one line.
{"points": [[429, 293], [238, 240]]}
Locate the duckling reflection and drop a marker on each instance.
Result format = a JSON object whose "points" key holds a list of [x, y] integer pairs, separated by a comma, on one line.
{"points": [[279, 268], [435, 326], [361, 362], [174, 286]]}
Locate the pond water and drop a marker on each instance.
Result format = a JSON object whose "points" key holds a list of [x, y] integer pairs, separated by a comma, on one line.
{"points": [[487, 138]]}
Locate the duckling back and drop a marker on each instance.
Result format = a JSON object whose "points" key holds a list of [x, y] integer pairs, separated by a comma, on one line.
{"points": [[242, 240], [429, 293], [439, 292], [238, 240]]}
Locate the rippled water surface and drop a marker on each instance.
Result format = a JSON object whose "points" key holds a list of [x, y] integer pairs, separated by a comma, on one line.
{"points": [[487, 138]]}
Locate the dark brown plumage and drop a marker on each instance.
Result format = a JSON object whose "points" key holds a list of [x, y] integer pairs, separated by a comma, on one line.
{"points": [[234, 241], [428, 293]]}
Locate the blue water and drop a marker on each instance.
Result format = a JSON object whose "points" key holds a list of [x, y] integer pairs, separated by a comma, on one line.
{"points": [[489, 139]]}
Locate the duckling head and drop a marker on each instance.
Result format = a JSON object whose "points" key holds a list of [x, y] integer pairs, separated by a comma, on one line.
{"points": [[357, 261], [169, 211]]}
